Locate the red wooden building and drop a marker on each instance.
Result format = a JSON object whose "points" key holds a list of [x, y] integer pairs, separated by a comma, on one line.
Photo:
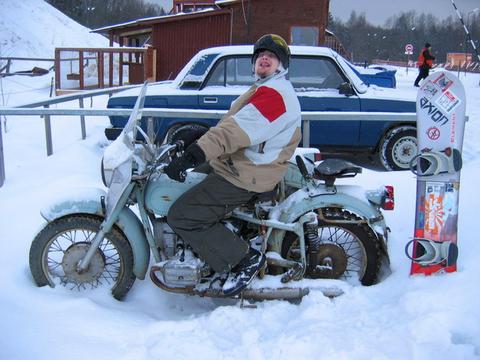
{"points": [[205, 23]]}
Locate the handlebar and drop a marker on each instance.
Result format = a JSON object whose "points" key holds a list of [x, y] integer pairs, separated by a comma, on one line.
{"points": [[171, 150], [177, 146]]}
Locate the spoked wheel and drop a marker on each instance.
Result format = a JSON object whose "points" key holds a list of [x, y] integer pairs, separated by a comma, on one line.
{"points": [[349, 251], [57, 250]]}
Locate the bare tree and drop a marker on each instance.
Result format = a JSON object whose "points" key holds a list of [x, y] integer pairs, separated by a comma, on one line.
{"points": [[368, 42], [98, 13]]}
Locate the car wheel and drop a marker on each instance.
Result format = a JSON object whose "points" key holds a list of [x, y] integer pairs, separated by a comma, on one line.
{"points": [[398, 147], [188, 133]]}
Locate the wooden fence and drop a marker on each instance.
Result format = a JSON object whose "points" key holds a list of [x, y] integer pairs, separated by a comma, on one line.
{"points": [[96, 68]]}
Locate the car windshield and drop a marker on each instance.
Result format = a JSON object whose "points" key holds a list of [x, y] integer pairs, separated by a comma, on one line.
{"points": [[355, 79], [195, 76]]}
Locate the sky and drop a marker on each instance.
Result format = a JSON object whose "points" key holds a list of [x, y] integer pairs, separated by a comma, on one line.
{"points": [[402, 317], [378, 11]]}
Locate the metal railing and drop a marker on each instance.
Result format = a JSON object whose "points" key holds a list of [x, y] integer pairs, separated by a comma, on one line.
{"points": [[46, 113], [10, 59]]}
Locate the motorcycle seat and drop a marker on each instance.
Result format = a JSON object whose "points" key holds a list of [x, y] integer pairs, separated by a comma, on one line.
{"points": [[336, 168]]}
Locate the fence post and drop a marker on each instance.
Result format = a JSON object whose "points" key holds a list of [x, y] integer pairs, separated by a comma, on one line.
{"points": [[2, 161], [151, 129], [82, 120], [48, 134], [306, 133], [58, 70]]}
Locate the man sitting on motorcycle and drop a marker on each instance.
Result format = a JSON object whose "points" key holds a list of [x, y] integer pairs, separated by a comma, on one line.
{"points": [[248, 152]]}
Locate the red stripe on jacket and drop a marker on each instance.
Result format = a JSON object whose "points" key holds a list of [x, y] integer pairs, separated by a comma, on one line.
{"points": [[269, 102]]}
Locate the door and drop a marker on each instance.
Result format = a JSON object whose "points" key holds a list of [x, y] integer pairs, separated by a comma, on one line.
{"points": [[229, 78], [316, 80]]}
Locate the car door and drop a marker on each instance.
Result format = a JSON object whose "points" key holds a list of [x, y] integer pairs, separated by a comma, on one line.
{"points": [[230, 77], [316, 80]]}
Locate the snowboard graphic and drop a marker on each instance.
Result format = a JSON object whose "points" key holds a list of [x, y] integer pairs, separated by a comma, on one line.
{"points": [[440, 128]]}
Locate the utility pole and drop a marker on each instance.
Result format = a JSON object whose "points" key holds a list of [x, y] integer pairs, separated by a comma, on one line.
{"points": [[469, 38]]}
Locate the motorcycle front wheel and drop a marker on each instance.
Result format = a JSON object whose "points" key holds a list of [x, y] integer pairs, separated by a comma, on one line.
{"points": [[57, 249], [349, 251]]}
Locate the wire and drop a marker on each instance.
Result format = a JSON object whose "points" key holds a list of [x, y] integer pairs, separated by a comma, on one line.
{"points": [[244, 16]]}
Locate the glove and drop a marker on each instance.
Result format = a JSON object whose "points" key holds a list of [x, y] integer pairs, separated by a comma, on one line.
{"points": [[188, 134], [192, 157]]}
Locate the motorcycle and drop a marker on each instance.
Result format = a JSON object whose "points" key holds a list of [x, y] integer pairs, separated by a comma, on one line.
{"points": [[309, 228]]}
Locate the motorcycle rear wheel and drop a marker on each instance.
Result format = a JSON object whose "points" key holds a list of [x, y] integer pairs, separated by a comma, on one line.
{"points": [[359, 243], [57, 249]]}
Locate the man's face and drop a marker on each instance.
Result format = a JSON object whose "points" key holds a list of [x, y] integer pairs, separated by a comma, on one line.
{"points": [[266, 64]]}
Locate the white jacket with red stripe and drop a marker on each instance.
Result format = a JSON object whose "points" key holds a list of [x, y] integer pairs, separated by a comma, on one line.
{"points": [[252, 143]]}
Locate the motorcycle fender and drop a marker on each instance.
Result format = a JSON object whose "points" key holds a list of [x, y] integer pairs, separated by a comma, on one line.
{"points": [[300, 203], [127, 221]]}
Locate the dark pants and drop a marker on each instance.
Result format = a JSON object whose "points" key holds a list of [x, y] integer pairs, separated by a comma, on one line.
{"points": [[422, 74], [196, 216]]}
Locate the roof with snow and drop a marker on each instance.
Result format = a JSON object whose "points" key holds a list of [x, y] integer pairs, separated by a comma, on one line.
{"points": [[156, 19]]}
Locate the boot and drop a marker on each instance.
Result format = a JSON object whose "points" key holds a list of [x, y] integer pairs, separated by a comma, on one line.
{"points": [[243, 273]]}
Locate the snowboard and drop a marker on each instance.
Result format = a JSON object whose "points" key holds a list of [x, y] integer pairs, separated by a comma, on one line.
{"points": [[437, 165]]}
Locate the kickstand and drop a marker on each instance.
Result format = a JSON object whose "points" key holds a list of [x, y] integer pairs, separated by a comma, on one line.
{"points": [[244, 304]]}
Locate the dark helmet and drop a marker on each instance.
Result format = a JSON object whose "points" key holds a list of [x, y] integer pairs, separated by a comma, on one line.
{"points": [[275, 44], [427, 45]]}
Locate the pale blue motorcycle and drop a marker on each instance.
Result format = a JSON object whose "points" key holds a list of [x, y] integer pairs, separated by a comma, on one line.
{"points": [[310, 229]]}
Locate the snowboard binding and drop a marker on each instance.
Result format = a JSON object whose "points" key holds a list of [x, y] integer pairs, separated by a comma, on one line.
{"points": [[431, 163], [430, 252]]}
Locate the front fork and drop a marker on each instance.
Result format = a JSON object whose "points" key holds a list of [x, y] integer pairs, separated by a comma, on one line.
{"points": [[105, 227]]}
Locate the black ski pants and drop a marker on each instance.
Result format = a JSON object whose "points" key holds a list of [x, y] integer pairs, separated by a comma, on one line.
{"points": [[196, 216], [422, 74]]}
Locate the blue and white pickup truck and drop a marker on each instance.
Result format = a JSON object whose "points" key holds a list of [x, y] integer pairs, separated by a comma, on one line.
{"points": [[324, 82]]}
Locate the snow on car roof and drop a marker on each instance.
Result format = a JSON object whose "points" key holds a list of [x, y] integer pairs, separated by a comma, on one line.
{"points": [[248, 50]]}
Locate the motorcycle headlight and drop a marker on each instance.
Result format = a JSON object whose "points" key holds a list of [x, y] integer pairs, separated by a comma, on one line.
{"points": [[107, 175]]}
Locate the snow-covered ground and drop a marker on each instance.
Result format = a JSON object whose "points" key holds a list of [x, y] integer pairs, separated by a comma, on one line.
{"points": [[401, 318]]}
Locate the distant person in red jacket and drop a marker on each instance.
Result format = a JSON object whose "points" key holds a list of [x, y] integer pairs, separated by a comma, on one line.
{"points": [[425, 63]]}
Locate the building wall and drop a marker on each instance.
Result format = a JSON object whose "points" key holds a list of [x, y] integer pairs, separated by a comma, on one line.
{"points": [[177, 41], [458, 59], [254, 18]]}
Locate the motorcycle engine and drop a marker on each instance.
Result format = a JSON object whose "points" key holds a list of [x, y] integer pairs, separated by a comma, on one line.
{"points": [[182, 270], [165, 238]]}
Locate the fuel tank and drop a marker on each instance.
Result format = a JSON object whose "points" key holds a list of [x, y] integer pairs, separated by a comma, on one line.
{"points": [[162, 191]]}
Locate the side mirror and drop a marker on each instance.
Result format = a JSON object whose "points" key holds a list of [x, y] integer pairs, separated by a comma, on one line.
{"points": [[346, 89]]}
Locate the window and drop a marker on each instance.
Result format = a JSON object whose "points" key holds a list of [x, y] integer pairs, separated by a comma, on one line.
{"points": [[310, 73], [304, 35], [218, 75], [232, 72], [197, 73]]}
